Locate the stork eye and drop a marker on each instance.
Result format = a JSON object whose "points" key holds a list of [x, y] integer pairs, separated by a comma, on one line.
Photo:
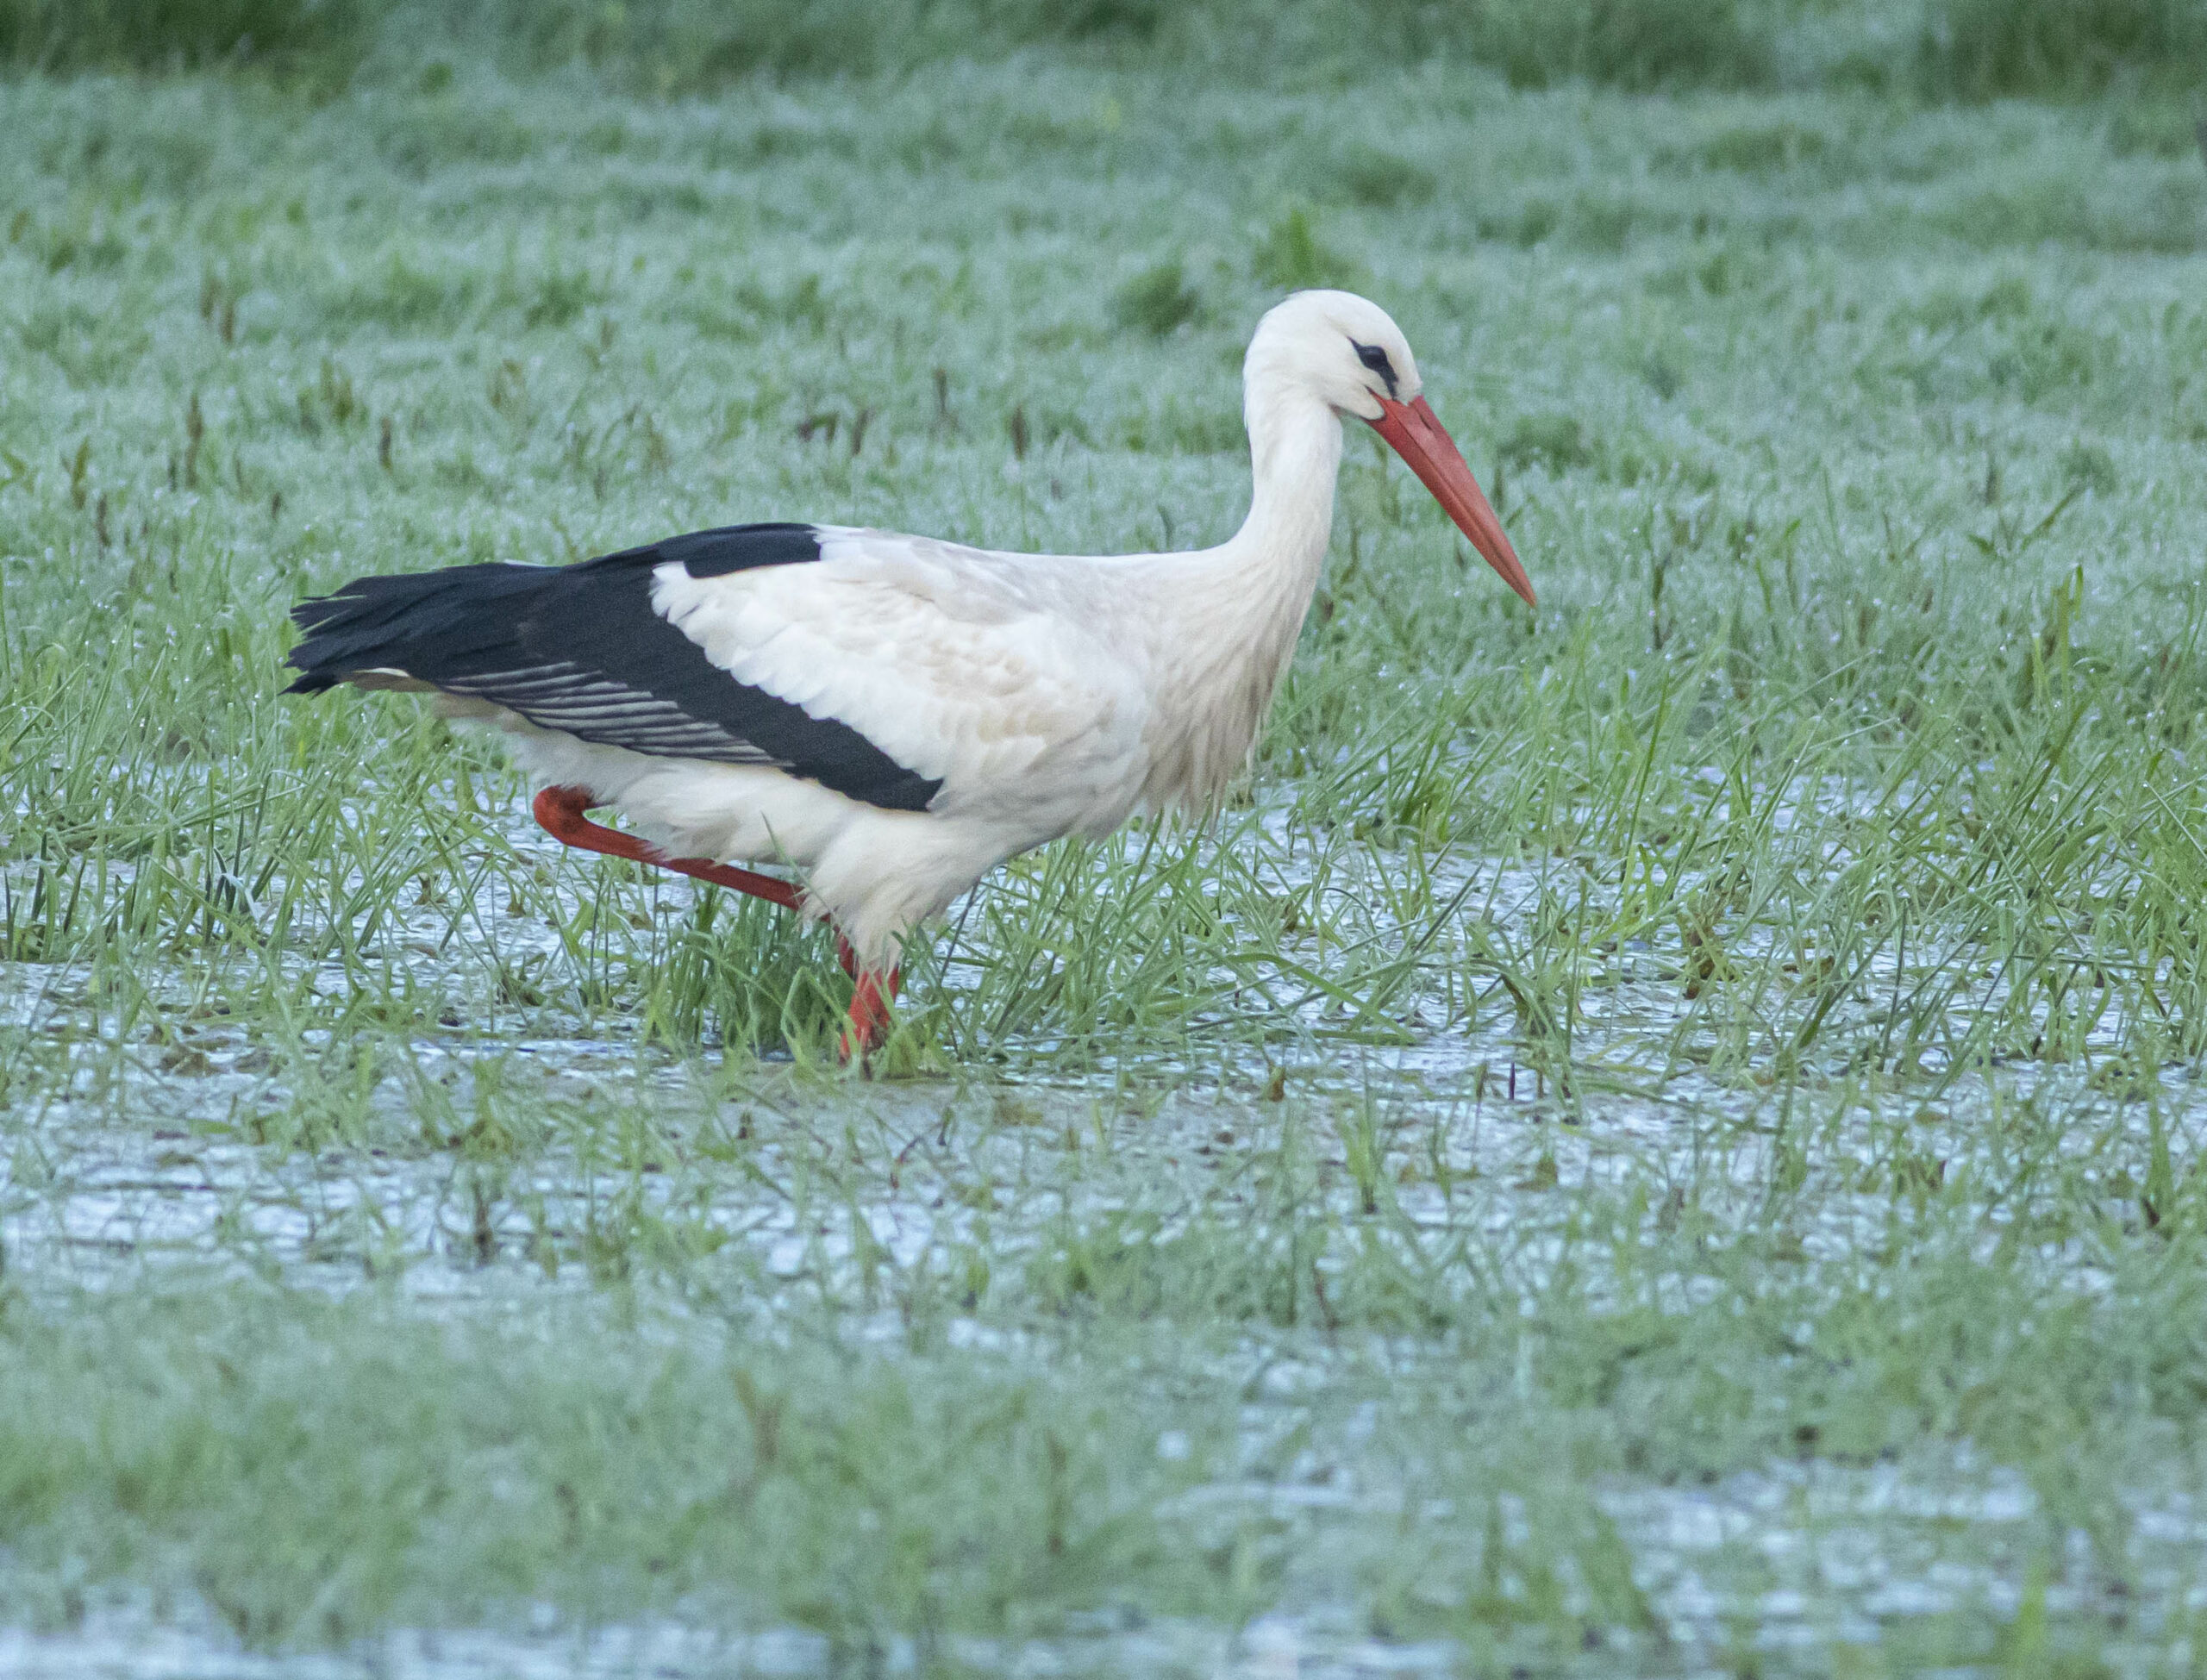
{"points": [[1376, 358]]}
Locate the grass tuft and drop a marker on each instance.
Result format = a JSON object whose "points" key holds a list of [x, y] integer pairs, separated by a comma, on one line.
{"points": [[327, 37], [1556, 441], [1156, 301], [1291, 257], [1985, 49], [1625, 43]]}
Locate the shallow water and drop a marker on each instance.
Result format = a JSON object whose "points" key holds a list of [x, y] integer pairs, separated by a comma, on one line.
{"points": [[137, 1162]]}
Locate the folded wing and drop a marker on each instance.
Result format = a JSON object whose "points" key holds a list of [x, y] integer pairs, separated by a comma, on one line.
{"points": [[904, 673]]}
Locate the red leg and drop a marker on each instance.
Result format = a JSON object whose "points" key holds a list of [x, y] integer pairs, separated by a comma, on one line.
{"points": [[560, 810], [869, 1019]]}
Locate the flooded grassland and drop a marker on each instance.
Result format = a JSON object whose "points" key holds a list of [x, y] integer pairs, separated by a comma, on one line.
{"points": [[1657, 1138]]}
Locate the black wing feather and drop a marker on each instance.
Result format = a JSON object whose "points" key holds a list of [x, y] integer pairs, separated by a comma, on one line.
{"points": [[579, 649]]}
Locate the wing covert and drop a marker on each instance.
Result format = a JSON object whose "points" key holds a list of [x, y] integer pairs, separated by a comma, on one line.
{"points": [[973, 668]]}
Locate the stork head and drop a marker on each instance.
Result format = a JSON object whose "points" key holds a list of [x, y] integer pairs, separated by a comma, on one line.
{"points": [[1348, 351]]}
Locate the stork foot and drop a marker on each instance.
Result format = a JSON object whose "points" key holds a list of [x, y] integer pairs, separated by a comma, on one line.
{"points": [[868, 1022], [560, 812]]}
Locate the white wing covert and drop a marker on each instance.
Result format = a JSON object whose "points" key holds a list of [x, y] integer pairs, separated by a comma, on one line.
{"points": [[964, 665]]}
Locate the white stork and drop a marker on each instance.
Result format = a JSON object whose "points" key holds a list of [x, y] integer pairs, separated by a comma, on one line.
{"points": [[890, 717]]}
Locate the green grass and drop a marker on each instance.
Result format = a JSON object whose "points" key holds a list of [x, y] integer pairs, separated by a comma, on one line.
{"points": [[1977, 49], [326, 35], [1942, 49], [1658, 1136]]}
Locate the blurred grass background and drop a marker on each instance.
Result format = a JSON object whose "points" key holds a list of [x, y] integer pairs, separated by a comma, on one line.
{"points": [[1935, 49]]}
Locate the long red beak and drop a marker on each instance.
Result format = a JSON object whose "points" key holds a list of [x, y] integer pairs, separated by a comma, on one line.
{"points": [[1418, 437]]}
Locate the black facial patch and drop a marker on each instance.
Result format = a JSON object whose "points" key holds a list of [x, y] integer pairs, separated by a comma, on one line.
{"points": [[1376, 358], [579, 649]]}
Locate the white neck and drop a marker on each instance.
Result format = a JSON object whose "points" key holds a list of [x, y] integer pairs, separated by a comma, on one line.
{"points": [[1295, 455], [1237, 608]]}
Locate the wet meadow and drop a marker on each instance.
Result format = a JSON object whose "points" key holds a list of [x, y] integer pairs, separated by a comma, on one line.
{"points": [[1662, 1135]]}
